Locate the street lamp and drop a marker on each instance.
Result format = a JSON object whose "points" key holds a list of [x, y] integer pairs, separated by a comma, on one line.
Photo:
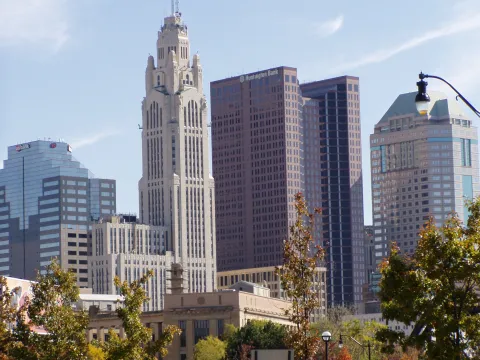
{"points": [[340, 344], [422, 99], [326, 336]]}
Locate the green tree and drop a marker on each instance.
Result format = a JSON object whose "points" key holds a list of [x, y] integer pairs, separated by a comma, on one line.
{"points": [[436, 289], [210, 348], [300, 258], [95, 352], [363, 332], [7, 318], [256, 334], [138, 344], [51, 308]]}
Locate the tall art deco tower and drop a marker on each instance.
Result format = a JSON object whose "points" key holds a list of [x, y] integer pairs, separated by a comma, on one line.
{"points": [[176, 190]]}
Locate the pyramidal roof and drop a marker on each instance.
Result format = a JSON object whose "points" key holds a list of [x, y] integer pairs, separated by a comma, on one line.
{"points": [[440, 106]]}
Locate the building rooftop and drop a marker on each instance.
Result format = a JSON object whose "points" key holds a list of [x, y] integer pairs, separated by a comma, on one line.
{"points": [[100, 297], [440, 106]]}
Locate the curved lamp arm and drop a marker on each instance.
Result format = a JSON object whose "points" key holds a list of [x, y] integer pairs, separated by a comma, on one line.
{"points": [[459, 95]]}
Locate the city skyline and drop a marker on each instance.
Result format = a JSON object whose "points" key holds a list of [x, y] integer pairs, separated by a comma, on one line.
{"points": [[75, 54]]}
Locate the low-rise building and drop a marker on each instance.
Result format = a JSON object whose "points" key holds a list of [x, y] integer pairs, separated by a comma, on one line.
{"points": [[266, 276], [97, 302], [199, 315]]}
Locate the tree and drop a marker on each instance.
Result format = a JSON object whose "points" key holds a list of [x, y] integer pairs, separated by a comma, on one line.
{"points": [[436, 289], [363, 332], [300, 258], [7, 318], [344, 355], [210, 348], [95, 352], [138, 344], [50, 308], [256, 334]]}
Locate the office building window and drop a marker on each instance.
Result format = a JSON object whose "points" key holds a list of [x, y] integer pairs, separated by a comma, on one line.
{"points": [[201, 329], [182, 324], [220, 327]]}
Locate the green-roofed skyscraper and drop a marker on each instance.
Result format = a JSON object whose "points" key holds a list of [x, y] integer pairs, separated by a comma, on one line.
{"points": [[421, 166]]}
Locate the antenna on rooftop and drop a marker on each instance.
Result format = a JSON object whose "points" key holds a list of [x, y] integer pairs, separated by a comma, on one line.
{"points": [[177, 10], [173, 7]]}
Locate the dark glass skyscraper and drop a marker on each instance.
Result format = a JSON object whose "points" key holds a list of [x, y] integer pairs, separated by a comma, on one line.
{"points": [[47, 201], [333, 179]]}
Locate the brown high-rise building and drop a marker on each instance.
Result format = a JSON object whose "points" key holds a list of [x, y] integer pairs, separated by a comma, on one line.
{"points": [[257, 165], [273, 138]]}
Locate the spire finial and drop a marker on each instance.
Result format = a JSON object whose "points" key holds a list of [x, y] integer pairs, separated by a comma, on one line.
{"points": [[175, 7]]}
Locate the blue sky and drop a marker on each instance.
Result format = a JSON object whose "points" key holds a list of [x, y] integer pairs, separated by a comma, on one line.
{"points": [[74, 69]]}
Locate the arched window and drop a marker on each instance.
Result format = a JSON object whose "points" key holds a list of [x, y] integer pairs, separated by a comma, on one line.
{"points": [[158, 80]]}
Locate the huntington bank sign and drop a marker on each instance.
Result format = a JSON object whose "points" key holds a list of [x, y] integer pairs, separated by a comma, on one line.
{"points": [[257, 76]]}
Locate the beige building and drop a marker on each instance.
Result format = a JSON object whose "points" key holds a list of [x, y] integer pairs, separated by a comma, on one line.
{"points": [[128, 250], [266, 276], [198, 315]]}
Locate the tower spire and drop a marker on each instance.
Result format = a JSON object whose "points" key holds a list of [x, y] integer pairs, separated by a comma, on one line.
{"points": [[175, 7]]}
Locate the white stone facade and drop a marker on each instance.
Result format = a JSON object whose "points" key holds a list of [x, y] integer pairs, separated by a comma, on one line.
{"points": [[129, 250], [176, 190]]}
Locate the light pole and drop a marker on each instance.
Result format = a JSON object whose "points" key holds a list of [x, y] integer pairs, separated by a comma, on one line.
{"points": [[422, 99], [340, 344], [326, 336]]}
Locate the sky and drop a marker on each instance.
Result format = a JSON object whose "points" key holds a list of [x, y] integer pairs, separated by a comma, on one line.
{"points": [[75, 69]]}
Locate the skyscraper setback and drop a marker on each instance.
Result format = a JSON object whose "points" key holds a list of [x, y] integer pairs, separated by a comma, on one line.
{"points": [[176, 190], [272, 138]]}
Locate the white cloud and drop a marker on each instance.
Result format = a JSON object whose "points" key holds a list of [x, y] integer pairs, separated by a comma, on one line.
{"points": [[39, 22], [92, 139], [328, 27], [466, 23]]}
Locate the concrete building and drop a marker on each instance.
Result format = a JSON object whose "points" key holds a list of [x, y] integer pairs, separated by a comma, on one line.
{"points": [[97, 302], [47, 202], [176, 190], [128, 250], [333, 181], [422, 166], [266, 276], [198, 315], [273, 138], [257, 164]]}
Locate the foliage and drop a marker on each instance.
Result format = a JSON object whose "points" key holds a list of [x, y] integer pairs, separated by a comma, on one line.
{"points": [[343, 354], [138, 344], [210, 348], [435, 289], [95, 352], [363, 332], [256, 334], [300, 258], [51, 308], [7, 318]]}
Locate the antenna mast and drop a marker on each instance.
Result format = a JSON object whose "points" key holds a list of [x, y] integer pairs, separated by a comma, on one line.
{"points": [[177, 10], [173, 7]]}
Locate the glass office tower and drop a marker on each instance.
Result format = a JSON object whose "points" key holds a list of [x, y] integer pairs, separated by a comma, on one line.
{"points": [[47, 201]]}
